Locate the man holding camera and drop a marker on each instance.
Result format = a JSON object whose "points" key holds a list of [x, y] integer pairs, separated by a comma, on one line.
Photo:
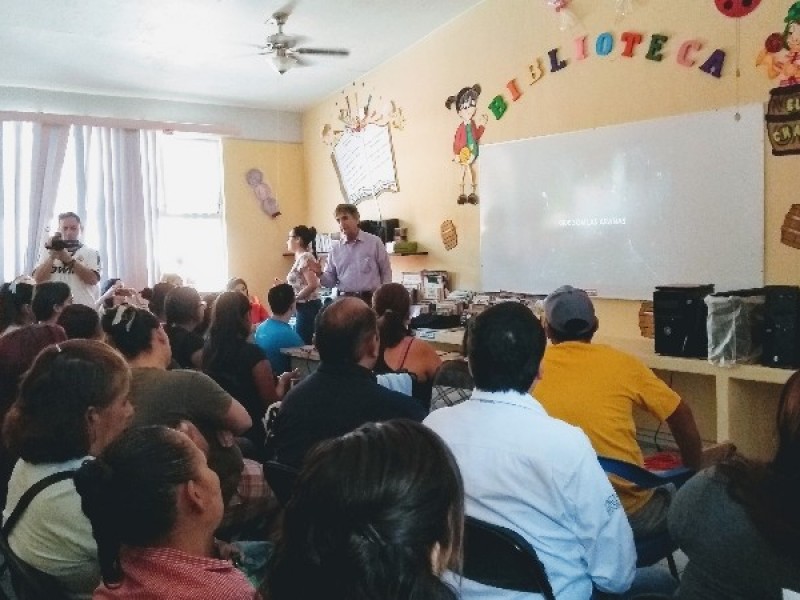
{"points": [[67, 259]]}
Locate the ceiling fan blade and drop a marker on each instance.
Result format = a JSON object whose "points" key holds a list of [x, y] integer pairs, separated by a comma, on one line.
{"points": [[323, 51], [266, 49]]}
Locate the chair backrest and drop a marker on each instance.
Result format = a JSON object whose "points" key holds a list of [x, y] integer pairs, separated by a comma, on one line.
{"points": [[642, 477], [280, 478], [500, 557], [28, 582]]}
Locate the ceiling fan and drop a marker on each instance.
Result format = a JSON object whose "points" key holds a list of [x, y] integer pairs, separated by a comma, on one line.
{"points": [[281, 47]]}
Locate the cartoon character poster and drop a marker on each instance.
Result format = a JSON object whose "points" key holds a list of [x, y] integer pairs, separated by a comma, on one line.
{"points": [[466, 140], [781, 59]]}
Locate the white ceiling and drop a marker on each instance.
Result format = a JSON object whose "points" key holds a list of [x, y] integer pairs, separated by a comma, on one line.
{"points": [[204, 50]]}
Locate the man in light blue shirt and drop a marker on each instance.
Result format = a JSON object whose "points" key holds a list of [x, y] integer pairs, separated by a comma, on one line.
{"points": [[276, 333], [358, 264], [529, 472]]}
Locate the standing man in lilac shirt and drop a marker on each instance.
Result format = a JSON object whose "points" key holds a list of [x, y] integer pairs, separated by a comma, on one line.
{"points": [[358, 264]]}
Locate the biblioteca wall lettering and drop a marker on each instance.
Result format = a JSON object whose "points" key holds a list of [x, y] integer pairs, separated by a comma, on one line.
{"points": [[630, 43]]}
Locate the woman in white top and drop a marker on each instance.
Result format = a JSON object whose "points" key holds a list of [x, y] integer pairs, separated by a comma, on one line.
{"points": [[71, 404], [304, 280]]}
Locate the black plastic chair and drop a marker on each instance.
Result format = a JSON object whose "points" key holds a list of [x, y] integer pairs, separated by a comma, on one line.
{"points": [[28, 582], [280, 478], [652, 548], [501, 558]]}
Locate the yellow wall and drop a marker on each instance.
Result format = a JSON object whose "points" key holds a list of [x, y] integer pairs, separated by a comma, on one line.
{"points": [[256, 241], [495, 42]]}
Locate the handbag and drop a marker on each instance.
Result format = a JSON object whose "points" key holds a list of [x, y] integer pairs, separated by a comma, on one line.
{"points": [[30, 583]]}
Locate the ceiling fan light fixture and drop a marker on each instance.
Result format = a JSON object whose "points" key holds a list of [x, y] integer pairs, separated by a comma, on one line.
{"points": [[282, 62]]}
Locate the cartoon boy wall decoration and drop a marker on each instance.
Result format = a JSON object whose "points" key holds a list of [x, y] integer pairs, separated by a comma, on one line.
{"points": [[465, 143]]}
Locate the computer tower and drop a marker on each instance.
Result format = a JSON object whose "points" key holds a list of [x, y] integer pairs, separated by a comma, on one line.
{"points": [[679, 316], [781, 326], [383, 229]]}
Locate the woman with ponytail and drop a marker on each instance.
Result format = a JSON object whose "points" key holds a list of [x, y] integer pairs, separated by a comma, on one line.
{"points": [[303, 278], [400, 351], [376, 513], [154, 504], [71, 404]]}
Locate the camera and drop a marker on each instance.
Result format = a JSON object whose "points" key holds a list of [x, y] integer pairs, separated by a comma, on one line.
{"points": [[58, 244]]}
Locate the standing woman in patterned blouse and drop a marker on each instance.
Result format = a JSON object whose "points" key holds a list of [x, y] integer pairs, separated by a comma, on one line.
{"points": [[304, 280], [154, 504]]}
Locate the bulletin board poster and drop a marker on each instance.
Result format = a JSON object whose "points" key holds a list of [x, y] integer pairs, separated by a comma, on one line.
{"points": [[364, 162]]}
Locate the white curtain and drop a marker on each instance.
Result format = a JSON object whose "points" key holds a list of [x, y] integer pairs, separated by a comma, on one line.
{"points": [[31, 157], [113, 183], [49, 146]]}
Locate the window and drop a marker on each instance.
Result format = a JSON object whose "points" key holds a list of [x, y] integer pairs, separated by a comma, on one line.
{"points": [[191, 225], [190, 228]]}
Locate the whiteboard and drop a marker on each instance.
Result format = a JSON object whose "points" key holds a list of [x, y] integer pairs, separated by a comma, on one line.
{"points": [[624, 208]]}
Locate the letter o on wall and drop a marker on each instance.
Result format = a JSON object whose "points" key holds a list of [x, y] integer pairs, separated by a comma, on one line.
{"points": [[604, 44]]}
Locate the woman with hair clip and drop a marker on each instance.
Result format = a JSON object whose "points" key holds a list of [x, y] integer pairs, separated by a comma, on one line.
{"points": [[154, 505], [15, 305], [71, 404], [388, 529], [304, 279], [739, 522], [239, 366], [400, 351]]}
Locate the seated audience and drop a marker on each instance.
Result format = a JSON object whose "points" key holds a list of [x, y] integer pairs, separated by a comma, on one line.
{"points": [[276, 333], [18, 349], [342, 393], [210, 299], [453, 382], [239, 366], [49, 299], [738, 522], [15, 306], [154, 506], [400, 351], [114, 292], [258, 311], [163, 397], [376, 513], [80, 321], [156, 298], [184, 311], [72, 403], [529, 472], [172, 279], [596, 387]]}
